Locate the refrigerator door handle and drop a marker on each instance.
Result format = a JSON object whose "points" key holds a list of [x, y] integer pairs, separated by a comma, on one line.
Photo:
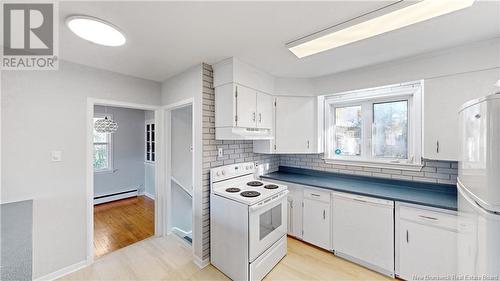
{"points": [[472, 203]]}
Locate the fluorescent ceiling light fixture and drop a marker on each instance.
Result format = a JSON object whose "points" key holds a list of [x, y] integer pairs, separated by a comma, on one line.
{"points": [[362, 28], [96, 30]]}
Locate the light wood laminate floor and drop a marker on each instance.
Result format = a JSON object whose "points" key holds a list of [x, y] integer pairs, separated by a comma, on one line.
{"points": [[121, 223], [166, 258]]}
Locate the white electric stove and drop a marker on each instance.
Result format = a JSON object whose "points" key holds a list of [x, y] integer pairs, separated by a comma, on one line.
{"points": [[247, 222]]}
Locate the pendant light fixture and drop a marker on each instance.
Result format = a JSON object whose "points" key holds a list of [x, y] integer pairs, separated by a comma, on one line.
{"points": [[105, 125]]}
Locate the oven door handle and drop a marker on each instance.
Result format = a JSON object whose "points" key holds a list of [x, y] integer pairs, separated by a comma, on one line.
{"points": [[267, 202]]}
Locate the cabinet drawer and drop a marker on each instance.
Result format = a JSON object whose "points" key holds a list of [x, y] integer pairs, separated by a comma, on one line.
{"points": [[314, 194], [424, 216]]}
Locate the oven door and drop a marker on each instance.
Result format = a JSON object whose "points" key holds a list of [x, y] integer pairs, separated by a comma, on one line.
{"points": [[267, 223]]}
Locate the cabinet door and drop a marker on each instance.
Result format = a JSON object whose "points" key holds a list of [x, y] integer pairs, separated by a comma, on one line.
{"points": [[426, 250], [443, 98], [295, 124], [264, 111], [246, 107], [316, 223]]}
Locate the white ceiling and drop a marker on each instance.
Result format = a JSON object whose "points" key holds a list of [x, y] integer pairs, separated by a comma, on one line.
{"points": [[165, 38]]}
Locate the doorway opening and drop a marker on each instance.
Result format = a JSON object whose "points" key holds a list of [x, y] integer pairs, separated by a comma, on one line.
{"points": [[181, 172], [123, 158]]}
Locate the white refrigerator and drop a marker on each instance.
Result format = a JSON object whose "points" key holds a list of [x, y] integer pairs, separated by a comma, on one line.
{"points": [[479, 189]]}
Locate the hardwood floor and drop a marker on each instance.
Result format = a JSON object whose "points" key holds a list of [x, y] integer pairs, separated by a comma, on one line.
{"points": [[120, 223], [166, 258]]}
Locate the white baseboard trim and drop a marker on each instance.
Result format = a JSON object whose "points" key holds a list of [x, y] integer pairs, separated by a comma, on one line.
{"points": [[115, 197], [200, 263], [150, 196], [63, 271]]}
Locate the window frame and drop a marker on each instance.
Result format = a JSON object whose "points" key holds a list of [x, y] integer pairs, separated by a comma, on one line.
{"points": [[366, 98], [109, 143], [146, 123]]}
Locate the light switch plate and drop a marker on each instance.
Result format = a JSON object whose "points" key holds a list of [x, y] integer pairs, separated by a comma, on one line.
{"points": [[56, 156], [220, 152]]}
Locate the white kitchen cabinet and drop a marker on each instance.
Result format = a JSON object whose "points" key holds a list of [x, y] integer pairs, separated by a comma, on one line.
{"points": [[363, 230], [233, 70], [316, 218], [265, 111], [427, 242], [298, 126], [246, 107], [295, 198], [242, 113], [443, 98]]}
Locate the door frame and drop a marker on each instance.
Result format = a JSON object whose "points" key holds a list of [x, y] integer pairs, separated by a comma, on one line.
{"points": [[167, 113], [159, 164]]}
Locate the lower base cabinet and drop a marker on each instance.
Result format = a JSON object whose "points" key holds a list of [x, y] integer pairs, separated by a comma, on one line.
{"points": [[316, 218], [427, 246], [363, 231]]}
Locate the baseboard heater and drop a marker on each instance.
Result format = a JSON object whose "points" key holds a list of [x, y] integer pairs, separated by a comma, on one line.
{"points": [[115, 196]]}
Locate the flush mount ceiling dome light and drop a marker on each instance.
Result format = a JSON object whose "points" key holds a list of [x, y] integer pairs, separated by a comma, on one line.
{"points": [[96, 30]]}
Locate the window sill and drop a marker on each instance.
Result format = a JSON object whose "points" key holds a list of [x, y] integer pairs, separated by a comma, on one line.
{"points": [[375, 164], [109, 171]]}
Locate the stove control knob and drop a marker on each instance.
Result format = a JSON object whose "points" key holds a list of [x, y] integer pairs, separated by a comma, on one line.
{"points": [[217, 173], [223, 172]]}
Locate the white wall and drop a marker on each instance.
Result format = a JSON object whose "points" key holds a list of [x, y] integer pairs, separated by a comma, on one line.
{"points": [[294, 87], [44, 111], [128, 153], [186, 85], [450, 62]]}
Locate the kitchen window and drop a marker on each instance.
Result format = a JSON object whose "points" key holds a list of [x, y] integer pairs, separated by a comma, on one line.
{"points": [[150, 149], [103, 150], [378, 127]]}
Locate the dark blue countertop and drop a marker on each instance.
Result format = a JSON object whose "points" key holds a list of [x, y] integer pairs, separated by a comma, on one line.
{"points": [[428, 194]]}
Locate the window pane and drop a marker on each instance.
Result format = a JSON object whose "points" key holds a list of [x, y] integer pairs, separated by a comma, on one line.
{"points": [[347, 131], [390, 134], [101, 157]]}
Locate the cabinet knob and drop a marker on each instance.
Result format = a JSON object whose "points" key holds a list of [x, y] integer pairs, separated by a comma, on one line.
{"points": [[437, 146]]}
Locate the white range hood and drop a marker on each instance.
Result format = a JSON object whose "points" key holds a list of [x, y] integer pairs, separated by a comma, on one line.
{"points": [[234, 133]]}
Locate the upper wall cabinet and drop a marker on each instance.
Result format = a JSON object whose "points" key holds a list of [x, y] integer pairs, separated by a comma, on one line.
{"points": [[443, 98], [243, 102], [298, 126], [242, 113], [233, 70]]}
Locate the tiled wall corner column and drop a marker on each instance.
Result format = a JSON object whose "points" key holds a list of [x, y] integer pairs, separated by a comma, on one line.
{"points": [[234, 151], [433, 171]]}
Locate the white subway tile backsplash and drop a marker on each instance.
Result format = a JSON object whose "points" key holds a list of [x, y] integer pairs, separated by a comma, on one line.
{"points": [[433, 171]]}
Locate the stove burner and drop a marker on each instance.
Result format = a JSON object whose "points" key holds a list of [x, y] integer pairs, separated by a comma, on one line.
{"points": [[270, 186], [233, 189], [254, 183], [250, 193]]}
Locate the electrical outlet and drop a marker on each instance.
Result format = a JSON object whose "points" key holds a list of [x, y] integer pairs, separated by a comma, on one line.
{"points": [[220, 153]]}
